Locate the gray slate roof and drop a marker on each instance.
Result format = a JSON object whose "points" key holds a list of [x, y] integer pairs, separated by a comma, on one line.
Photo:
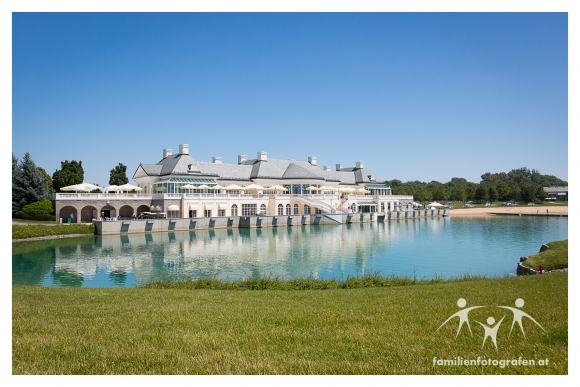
{"points": [[178, 164]]}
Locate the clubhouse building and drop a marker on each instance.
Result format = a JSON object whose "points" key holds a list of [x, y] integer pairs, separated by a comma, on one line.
{"points": [[179, 186]]}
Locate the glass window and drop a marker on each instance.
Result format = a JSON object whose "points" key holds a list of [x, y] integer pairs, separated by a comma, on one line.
{"points": [[249, 209], [280, 209], [263, 209], [193, 213], [306, 209], [207, 213], [221, 212], [296, 211], [318, 211], [172, 214], [234, 210], [288, 209]]}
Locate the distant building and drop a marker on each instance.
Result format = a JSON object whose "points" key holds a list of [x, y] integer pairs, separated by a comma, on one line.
{"points": [[557, 193]]}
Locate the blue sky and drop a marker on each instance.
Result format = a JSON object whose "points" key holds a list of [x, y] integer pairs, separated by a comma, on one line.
{"points": [[415, 96]]}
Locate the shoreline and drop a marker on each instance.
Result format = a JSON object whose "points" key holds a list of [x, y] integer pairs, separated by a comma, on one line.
{"points": [[531, 210], [47, 237]]}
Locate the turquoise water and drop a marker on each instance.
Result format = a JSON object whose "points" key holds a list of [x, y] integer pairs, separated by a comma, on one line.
{"points": [[422, 247]]}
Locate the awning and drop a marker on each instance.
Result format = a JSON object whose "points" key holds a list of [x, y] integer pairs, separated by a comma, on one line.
{"points": [[173, 207], [208, 206], [561, 193], [366, 203], [193, 206], [222, 206]]}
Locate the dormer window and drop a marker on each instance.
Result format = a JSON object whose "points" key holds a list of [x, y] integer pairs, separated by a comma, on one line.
{"points": [[192, 168], [372, 178]]}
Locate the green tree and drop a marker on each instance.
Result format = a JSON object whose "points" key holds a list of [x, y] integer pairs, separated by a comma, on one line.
{"points": [[528, 191], [46, 178], [482, 193], [470, 189], [503, 191], [422, 194], [393, 183], [119, 175], [17, 204], [28, 185], [493, 194], [541, 194], [70, 173], [458, 193], [400, 190]]}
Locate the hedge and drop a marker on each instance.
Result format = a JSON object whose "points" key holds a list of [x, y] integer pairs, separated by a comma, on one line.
{"points": [[23, 215], [21, 232]]}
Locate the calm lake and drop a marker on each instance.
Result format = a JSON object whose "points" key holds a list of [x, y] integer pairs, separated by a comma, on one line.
{"points": [[423, 247]]}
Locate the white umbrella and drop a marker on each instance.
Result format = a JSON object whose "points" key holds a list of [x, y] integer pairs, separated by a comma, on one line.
{"points": [[346, 189], [129, 187], [188, 186], [253, 187], [311, 188], [233, 187], [203, 186], [434, 204], [277, 188], [82, 187], [71, 188], [114, 188], [362, 190], [325, 188]]}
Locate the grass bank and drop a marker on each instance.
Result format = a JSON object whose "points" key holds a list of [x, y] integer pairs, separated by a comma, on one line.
{"points": [[369, 280], [39, 230], [373, 330], [556, 257]]}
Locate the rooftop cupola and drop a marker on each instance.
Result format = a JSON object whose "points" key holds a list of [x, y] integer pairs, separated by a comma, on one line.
{"points": [[262, 156], [242, 158], [338, 167], [359, 165], [167, 152], [216, 160], [312, 160]]}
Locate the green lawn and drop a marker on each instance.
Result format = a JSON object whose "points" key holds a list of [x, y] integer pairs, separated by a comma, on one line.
{"points": [[556, 257], [389, 330], [40, 230]]}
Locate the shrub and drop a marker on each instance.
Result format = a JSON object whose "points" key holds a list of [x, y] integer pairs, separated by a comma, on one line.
{"points": [[20, 232], [23, 215], [43, 207]]}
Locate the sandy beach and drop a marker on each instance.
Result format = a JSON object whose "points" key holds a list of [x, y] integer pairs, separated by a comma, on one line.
{"points": [[486, 211]]}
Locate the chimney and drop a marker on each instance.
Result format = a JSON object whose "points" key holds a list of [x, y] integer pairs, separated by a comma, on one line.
{"points": [[312, 160], [242, 158], [216, 160], [359, 165], [262, 156], [183, 149], [166, 152], [326, 168], [338, 167]]}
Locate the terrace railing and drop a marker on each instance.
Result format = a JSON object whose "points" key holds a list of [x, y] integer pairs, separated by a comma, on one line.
{"points": [[100, 196]]}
